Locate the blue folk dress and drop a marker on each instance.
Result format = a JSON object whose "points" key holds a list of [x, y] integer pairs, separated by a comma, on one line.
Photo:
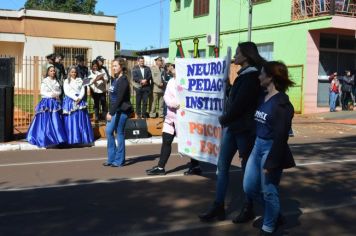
{"points": [[47, 129], [76, 118]]}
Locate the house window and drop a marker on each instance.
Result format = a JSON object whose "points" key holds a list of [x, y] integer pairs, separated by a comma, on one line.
{"points": [[322, 5], [303, 7], [201, 7], [328, 41], [266, 51], [202, 53], [178, 4], [69, 54]]}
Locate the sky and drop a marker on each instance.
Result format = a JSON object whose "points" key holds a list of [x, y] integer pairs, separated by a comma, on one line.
{"points": [[138, 24]]}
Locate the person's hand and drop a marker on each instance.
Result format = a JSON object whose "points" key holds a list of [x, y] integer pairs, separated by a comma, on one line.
{"points": [[108, 117], [265, 171]]}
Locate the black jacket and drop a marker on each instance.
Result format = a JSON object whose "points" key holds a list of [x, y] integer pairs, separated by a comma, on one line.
{"points": [[120, 96], [242, 102], [82, 72], [280, 156], [137, 77]]}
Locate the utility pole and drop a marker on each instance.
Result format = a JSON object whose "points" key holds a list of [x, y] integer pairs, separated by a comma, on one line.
{"points": [[249, 20], [217, 27], [161, 24]]}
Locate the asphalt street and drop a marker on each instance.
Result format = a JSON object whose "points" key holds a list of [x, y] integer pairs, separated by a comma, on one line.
{"points": [[69, 192]]}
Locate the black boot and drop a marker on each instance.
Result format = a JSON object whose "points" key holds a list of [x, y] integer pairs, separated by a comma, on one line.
{"points": [[245, 215], [217, 211]]}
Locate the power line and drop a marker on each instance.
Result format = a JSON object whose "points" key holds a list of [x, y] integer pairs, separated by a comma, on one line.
{"points": [[140, 8]]}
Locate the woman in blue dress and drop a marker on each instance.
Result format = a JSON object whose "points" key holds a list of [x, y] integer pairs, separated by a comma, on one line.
{"points": [[76, 118], [46, 129]]}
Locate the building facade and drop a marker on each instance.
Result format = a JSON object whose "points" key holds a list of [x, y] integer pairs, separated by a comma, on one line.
{"points": [[313, 37], [28, 33]]}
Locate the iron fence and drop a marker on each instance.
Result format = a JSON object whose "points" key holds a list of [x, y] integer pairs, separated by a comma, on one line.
{"points": [[303, 9]]}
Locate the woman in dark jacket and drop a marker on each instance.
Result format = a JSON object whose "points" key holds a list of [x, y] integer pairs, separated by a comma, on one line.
{"points": [[120, 109], [239, 128], [271, 153]]}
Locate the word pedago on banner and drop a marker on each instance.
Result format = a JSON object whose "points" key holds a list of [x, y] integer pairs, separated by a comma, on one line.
{"points": [[200, 90]]}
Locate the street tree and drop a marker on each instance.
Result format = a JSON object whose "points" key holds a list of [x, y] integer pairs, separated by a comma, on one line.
{"points": [[73, 6]]}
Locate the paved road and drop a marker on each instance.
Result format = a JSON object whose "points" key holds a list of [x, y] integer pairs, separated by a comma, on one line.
{"points": [[68, 192]]}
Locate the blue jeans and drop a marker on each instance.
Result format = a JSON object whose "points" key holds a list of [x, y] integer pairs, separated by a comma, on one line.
{"points": [[262, 187], [230, 143], [332, 99], [116, 154]]}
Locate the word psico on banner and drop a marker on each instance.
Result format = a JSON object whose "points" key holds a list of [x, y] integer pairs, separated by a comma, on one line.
{"points": [[200, 90]]}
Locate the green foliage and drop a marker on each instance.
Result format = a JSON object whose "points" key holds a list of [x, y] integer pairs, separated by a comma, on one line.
{"points": [[73, 6]]}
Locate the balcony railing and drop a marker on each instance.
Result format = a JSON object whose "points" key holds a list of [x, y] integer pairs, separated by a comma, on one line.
{"points": [[304, 9]]}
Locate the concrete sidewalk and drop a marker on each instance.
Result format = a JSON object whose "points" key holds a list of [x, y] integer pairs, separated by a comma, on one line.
{"points": [[24, 145], [340, 117]]}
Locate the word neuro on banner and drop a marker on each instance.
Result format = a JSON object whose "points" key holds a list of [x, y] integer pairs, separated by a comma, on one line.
{"points": [[200, 90]]}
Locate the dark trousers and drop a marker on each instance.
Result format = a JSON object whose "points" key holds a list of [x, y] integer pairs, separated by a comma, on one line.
{"points": [[166, 150], [141, 96], [345, 99], [99, 98], [193, 163]]}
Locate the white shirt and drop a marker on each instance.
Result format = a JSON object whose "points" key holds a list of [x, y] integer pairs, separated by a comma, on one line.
{"points": [[50, 88], [142, 69], [74, 89], [100, 85]]}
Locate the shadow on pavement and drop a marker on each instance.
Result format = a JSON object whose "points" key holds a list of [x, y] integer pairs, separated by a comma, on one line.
{"points": [[150, 205]]}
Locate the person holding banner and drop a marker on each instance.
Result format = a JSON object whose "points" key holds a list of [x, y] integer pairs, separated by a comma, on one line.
{"points": [[170, 130], [271, 153], [239, 128]]}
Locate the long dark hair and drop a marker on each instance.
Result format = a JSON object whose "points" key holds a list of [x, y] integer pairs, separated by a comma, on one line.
{"points": [[249, 50], [279, 73], [122, 63], [48, 68]]}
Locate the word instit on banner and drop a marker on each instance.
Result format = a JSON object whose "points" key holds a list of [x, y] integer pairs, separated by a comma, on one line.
{"points": [[200, 90]]}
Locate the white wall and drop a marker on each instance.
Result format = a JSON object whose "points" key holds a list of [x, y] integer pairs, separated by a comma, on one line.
{"points": [[39, 46]]}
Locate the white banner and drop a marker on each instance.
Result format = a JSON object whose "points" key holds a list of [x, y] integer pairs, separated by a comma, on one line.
{"points": [[200, 90]]}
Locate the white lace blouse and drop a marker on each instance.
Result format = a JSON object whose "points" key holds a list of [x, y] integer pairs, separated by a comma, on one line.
{"points": [[74, 89]]}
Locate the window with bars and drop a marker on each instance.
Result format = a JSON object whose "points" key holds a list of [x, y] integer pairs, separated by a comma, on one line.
{"points": [[69, 54], [266, 51], [202, 53], [178, 4], [201, 8]]}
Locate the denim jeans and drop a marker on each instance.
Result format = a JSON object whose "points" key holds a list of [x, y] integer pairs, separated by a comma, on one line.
{"points": [[116, 154], [262, 187], [333, 99], [230, 143]]}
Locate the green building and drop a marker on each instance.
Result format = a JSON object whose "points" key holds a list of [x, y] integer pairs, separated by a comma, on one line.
{"points": [[313, 37]]}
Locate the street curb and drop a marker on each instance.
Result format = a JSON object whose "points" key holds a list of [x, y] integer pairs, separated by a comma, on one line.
{"points": [[22, 145]]}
